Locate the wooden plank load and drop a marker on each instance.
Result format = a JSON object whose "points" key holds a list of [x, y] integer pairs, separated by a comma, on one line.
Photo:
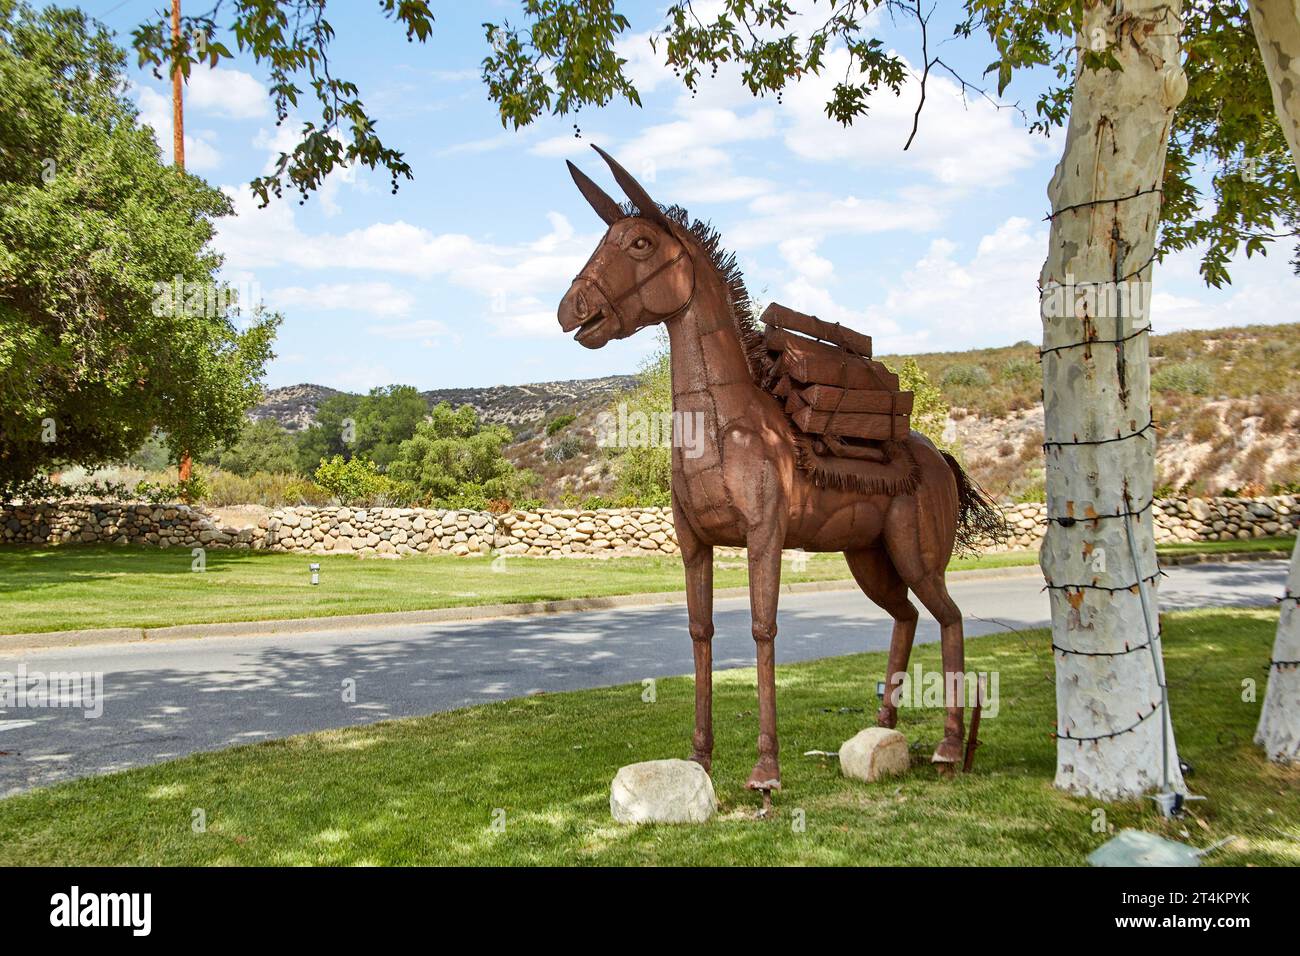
{"points": [[830, 384]]}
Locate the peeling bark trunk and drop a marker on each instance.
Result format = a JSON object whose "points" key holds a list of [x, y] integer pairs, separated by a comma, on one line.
{"points": [[1114, 736], [1279, 719], [1277, 31]]}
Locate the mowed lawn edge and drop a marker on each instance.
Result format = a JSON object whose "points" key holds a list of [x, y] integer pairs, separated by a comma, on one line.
{"points": [[526, 781], [45, 589]]}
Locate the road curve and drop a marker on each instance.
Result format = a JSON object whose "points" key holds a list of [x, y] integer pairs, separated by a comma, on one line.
{"points": [[162, 701]]}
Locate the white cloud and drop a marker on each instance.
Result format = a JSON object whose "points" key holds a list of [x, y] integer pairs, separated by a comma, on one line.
{"points": [[226, 92], [1261, 288], [201, 154], [572, 147], [520, 283], [348, 374], [950, 302], [965, 143], [801, 255], [428, 332], [779, 216], [375, 298]]}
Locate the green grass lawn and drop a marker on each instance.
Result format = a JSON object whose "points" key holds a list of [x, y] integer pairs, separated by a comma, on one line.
{"points": [[425, 790], [1221, 547], [62, 588]]}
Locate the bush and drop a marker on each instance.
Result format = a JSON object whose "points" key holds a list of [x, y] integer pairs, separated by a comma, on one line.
{"points": [[263, 446], [453, 457], [357, 481], [929, 410], [1194, 378], [570, 446], [559, 422], [1020, 371], [268, 489], [973, 376]]}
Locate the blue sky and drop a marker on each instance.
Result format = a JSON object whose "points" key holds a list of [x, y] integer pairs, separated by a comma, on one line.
{"points": [[454, 281]]}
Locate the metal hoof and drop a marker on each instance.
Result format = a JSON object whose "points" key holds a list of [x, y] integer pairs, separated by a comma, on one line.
{"points": [[886, 717], [765, 776], [949, 751]]}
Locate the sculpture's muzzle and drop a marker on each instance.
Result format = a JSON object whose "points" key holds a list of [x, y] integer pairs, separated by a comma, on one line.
{"points": [[585, 311]]}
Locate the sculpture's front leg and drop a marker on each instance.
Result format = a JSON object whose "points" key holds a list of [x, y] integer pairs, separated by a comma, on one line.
{"points": [[699, 609]]}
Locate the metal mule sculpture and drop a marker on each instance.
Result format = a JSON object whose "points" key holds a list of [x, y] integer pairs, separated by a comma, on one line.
{"points": [[892, 502]]}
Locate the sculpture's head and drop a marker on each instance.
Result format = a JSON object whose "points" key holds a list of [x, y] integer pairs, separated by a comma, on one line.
{"points": [[641, 274]]}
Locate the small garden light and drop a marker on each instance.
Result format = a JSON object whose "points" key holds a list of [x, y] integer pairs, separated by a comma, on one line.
{"points": [[315, 572], [880, 689]]}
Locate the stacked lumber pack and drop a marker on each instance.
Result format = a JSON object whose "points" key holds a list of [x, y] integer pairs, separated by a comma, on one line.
{"points": [[831, 386]]}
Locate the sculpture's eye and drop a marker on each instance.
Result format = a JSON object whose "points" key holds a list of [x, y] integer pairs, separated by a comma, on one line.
{"points": [[642, 244]]}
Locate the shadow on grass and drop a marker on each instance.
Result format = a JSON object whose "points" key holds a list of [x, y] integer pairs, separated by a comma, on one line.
{"points": [[428, 790], [32, 567]]}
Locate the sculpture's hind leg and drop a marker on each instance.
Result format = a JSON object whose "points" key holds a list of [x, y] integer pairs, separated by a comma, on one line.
{"points": [[880, 581], [919, 550], [933, 593]]}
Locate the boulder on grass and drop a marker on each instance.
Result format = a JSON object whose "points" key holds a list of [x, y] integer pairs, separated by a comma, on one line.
{"points": [[873, 754], [662, 791]]}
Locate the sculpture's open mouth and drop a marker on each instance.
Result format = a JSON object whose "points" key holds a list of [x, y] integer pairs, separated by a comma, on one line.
{"points": [[588, 327]]}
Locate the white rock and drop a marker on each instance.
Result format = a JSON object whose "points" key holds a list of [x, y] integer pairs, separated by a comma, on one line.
{"points": [[662, 791], [874, 753]]}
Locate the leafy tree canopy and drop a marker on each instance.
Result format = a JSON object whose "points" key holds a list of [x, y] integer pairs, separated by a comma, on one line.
{"points": [[453, 458], [263, 446], [1229, 181], [92, 358], [372, 426]]}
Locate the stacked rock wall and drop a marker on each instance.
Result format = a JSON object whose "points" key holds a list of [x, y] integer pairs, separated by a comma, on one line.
{"points": [[541, 533]]}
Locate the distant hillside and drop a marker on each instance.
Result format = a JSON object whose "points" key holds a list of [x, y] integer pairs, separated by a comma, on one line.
{"points": [[519, 406], [293, 406], [1227, 402], [525, 405]]}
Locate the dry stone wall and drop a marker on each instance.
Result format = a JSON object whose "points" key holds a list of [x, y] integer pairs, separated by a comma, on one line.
{"points": [[542, 533]]}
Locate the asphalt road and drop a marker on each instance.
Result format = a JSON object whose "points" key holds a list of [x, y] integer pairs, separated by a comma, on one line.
{"points": [[165, 700]]}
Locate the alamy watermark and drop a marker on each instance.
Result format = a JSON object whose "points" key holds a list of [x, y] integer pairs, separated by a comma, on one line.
{"points": [[923, 688], [636, 429], [209, 300], [1097, 300], [82, 690]]}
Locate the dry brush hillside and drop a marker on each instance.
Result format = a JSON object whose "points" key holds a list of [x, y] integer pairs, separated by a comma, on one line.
{"points": [[1227, 402]]}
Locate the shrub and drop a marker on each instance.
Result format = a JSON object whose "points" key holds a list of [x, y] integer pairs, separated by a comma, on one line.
{"points": [[268, 489], [559, 422], [570, 446], [1194, 378], [973, 376], [1020, 371], [358, 481], [929, 410], [1206, 427], [453, 457]]}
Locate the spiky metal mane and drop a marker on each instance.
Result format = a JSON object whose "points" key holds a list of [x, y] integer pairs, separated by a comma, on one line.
{"points": [[724, 263]]}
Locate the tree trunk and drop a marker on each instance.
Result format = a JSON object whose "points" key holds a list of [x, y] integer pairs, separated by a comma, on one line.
{"points": [[1277, 31], [1279, 719], [1114, 739]]}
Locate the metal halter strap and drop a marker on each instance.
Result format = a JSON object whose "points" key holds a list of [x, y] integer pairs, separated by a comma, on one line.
{"points": [[614, 300]]}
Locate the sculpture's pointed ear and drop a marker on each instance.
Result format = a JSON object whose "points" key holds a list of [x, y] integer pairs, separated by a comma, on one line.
{"points": [[640, 198], [605, 207]]}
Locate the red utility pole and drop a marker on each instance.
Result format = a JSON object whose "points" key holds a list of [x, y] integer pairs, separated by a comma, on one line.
{"points": [[178, 117], [178, 154]]}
